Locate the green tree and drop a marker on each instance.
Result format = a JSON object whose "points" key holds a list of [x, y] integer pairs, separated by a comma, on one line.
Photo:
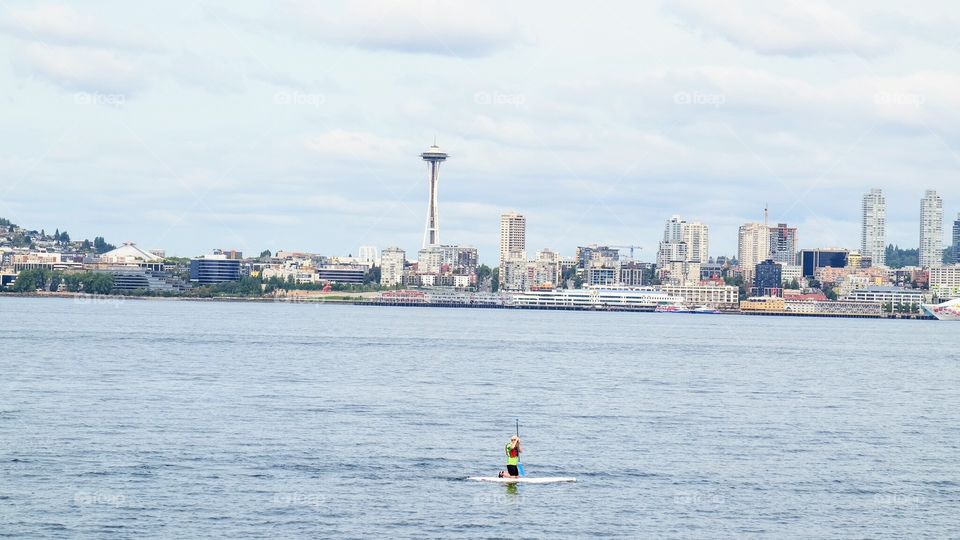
{"points": [[495, 280], [56, 277], [101, 245], [830, 293], [64, 238], [265, 254], [30, 280], [73, 282], [372, 275], [26, 281], [794, 284], [97, 283], [246, 286], [484, 272], [898, 258], [22, 239]]}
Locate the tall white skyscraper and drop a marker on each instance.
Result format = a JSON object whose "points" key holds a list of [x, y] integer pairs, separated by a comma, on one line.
{"points": [[956, 240], [931, 230], [513, 236], [685, 246], [873, 231], [673, 230], [753, 247], [697, 237], [682, 241], [513, 251]]}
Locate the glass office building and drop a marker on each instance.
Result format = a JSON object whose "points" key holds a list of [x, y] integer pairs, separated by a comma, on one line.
{"points": [[214, 269], [812, 259], [768, 279]]}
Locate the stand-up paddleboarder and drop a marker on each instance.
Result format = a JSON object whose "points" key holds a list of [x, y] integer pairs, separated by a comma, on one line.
{"points": [[512, 449]]}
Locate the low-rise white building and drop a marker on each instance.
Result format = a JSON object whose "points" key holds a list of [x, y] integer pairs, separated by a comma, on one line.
{"points": [[681, 273], [300, 274], [826, 307], [852, 282], [790, 272], [945, 281], [716, 296], [889, 295]]}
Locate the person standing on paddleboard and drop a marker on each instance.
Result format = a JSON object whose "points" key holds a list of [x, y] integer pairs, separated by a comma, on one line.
{"points": [[512, 450]]}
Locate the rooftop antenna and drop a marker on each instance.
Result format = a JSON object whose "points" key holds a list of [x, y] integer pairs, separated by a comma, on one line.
{"points": [[766, 215]]}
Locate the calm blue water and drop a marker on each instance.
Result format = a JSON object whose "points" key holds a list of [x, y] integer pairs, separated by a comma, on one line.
{"points": [[187, 419]]}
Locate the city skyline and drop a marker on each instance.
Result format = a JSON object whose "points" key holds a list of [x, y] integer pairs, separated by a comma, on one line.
{"points": [[307, 141], [689, 241]]}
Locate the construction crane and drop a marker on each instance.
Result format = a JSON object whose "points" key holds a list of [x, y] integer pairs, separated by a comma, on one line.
{"points": [[631, 248]]}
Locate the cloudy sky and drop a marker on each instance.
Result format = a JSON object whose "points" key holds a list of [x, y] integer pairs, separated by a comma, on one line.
{"points": [[286, 125]]}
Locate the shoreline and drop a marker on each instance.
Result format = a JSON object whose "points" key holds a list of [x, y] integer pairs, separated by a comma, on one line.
{"points": [[344, 300]]}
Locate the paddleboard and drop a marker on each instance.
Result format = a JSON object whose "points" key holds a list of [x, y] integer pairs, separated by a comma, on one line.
{"points": [[523, 479]]}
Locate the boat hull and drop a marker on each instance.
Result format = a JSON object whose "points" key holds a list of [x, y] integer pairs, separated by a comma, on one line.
{"points": [[947, 311]]}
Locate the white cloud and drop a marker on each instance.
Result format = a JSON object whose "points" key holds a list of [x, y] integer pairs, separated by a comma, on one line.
{"points": [[598, 130], [354, 145], [63, 25], [79, 69], [212, 75], [790, 28], [446, 28]]}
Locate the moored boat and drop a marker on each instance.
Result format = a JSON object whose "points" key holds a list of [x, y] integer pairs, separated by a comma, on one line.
{"points": [[947, 311], [673, 308]]}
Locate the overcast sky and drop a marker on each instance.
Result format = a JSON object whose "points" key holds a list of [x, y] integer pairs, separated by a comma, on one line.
{"points": [[283, 125]]}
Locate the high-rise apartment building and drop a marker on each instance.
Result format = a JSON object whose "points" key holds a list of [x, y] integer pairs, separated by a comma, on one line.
{"points": [[873, 228], [956, 240], [783, 244], [697, 237], [931, 230], [673, 231], [391, 266], [753, 246], [513, 251], [683, 242], [513, 236], [768, 280]]}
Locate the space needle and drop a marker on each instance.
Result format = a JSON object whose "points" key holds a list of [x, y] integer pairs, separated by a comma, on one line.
{"points": [[433, 156]]}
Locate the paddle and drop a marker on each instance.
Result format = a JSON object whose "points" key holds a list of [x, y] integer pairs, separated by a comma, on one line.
{"points": [[519, 465]]}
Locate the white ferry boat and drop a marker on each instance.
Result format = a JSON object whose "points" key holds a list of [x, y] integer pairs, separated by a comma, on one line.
{"points": [[673, 308], [947, 311]]}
